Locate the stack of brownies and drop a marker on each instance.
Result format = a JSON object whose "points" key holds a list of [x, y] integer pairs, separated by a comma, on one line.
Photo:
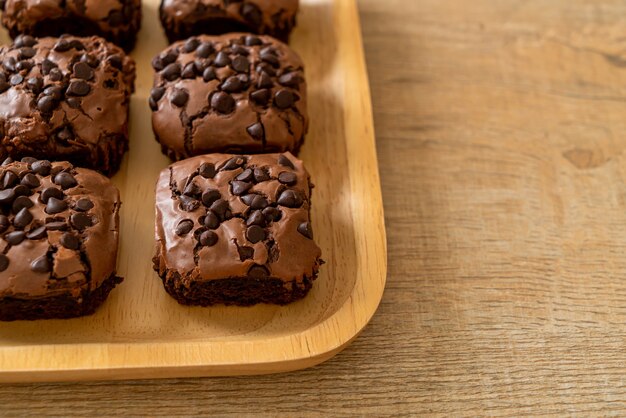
{"points": [[228, 105]]}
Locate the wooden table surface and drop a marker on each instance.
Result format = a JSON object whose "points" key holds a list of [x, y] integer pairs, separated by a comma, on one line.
{"points": [[501, 135]]}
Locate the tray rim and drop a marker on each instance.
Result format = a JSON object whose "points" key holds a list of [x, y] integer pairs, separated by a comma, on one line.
{"points": [[308, 347]]}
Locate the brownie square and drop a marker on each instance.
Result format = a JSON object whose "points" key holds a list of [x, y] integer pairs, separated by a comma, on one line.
{"points": [[235, 230], [184, 18], [65, 99], [234, 93], [117, 21], [58, 240]]}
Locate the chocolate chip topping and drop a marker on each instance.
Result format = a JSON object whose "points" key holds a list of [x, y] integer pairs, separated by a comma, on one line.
{"points": [[40, 265], [227, 80]]}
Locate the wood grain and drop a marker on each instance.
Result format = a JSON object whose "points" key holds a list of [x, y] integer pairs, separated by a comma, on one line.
{"points": [[499, 126], [141, 332]]}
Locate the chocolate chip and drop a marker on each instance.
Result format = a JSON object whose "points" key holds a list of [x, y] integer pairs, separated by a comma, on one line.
{"points": [[258, 272], [240, 64], [252, 40], [4, 86], [285, 162], [90, 60], [208, 239], [290, 199], [83, 205], [256, 131], [188, 204], [210, 196], [4, 262], [15, 237], [265, 81], [78, 88], [10, 179], [65, 180], [20, 203], [189, 71], [246, 175], [55, 92], [256, 218], [288, 178], [209, 74], [171, 72], [180, 97], [184, 227], [233, 164], [192, 190], [83, 71], [30, 180], [157, 63], [22, 219], [284, 99], [245, 253], [70, 241], [46, 66], [37, 233], [62, 46], [34, 84], [223, 102], [260, 97], [49, 192], [55, 206], [9, 64], [292, 79], [255, 234], [272, 214], [55, 74], [305, 229], [157, 93], [255, 201], [269, 56], [221, 209], [240, 187], [190, 45], [16, 79], [40, 265], [221, 59], [252, 13], [211, 220], [46, 104], [41, 167], [27, 52], [204, 50], [115, 61], [24, 40], [77, 45], [239, 49], [7, 196], [261, 174], [207, 170], [21, 190], [232, 85], [81, 221], [24, 65], [4, 223], [56, 226], [28, 160]]}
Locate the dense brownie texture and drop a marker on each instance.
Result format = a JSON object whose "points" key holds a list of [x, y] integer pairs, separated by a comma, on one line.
{"points": [[65, 99], [184, 18], [235, 229], [58, 240], [233, 94], [116, 20]]}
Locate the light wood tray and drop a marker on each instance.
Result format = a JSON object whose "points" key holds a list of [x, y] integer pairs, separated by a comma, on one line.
{"points": [[140, 332]]}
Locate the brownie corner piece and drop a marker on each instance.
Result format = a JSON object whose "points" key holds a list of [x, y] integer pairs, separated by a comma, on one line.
{"points": [[117, 21], [235, 230], [234, 93], [184, 18], [65, 99], [59, 228]]}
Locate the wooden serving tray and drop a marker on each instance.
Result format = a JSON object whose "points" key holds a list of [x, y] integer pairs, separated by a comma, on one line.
{"points": [[141, 332]]}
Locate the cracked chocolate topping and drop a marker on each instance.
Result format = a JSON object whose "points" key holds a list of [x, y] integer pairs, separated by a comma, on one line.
{"points": [[234, 93], [230, 216], [65, 99], [184, 18], [58, 229], [116, 20]]}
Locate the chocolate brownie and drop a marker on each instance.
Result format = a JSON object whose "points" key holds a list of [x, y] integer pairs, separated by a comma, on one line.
{"points": [[235, 230], [184, 18], [118, 21], [65, 99], [234, 93], [58, 239]]}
